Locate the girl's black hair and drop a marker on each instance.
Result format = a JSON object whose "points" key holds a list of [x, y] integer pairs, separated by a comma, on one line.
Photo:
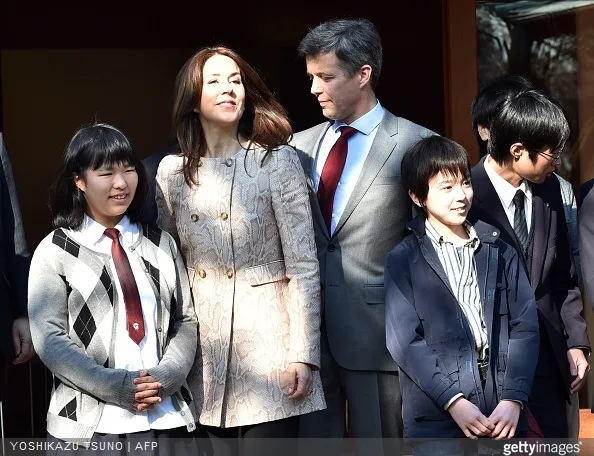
{"points": [[92, 147]]}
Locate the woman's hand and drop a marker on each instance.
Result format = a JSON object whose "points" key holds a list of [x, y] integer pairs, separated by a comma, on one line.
{"points": [[297, 380], [147, 392]]}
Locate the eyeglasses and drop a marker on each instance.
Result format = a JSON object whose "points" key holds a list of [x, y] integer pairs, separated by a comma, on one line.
{"points": [[556, 157]]}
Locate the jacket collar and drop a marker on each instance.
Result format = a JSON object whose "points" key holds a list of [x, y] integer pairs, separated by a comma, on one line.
{"points": [[484, 231]]}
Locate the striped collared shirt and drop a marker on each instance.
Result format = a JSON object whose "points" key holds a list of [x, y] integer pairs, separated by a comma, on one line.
{"points": [[457, 259]]}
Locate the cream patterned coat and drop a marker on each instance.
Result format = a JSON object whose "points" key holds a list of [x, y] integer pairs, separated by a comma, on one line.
{"points": [[246, 234]]}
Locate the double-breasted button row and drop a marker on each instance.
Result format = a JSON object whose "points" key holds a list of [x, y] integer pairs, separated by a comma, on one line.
{"points": [[196, 217], [228, 273]]}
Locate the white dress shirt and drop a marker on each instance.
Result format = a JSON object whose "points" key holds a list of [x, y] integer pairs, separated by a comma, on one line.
{"points": [[359, 145], [127, 354], [506, 193]]}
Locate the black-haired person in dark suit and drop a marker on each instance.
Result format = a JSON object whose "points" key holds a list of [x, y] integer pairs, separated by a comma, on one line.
{"points": [[16, 343], [515, 190], [482, 112], [151, 164]]}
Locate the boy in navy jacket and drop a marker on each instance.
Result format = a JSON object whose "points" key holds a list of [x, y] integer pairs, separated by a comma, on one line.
{"points": [[461, 318]]}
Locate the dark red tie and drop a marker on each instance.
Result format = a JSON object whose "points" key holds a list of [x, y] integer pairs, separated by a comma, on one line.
{"points": [[134, 320], [331, 173]]}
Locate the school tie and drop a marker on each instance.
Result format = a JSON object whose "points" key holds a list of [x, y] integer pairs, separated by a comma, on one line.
{"points": [[331, 173], [520, 226], [134, 319]]}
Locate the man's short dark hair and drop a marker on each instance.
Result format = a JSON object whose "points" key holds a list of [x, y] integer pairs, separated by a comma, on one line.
{"points": [[484, 105], [356, 42], [532, 118], [427, 158]]}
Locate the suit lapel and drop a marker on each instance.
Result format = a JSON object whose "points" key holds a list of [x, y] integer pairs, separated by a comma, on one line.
{"points": [[541, 226], [381, 149], [488, 203], [308, 159]]}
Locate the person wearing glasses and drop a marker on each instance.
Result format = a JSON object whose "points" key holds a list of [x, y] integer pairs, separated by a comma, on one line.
{"points": [[482, 112], [516, 191]]}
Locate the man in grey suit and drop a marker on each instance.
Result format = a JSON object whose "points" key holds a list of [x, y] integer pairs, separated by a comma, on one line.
{"points": [[360, 210], [16, 345]]}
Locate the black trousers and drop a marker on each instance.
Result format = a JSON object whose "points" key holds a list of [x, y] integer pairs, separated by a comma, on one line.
{"points": [[548, 399], [272, 438]]}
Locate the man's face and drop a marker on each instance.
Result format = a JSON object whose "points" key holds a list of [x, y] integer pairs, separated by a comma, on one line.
{"points": [[536, 171], [339, 95]]}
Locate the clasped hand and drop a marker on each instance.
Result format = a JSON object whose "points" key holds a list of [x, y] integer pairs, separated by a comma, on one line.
{"points": [[147, 392], [501, 424]]}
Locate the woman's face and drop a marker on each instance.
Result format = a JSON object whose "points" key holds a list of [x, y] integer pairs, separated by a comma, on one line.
{"points": [[223, 93], [108, 191]]}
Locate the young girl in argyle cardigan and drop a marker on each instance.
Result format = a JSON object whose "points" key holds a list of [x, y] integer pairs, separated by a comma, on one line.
{"points": [[116, 327]]}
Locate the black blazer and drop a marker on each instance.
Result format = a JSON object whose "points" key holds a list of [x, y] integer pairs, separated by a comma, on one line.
{"points": [[14, 256], [151, 164], [553, 277]]}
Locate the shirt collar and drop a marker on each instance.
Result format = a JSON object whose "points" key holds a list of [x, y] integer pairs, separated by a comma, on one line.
{"points": [[472, 242], [366, 123], [94, 231], [504, 189]]}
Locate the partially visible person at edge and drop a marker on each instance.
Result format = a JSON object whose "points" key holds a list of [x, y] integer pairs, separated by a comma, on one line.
{"points": [[120, 334], [14, 269], [451, 270], [586, 235], [483, 109], [236, 201], [515, 191], [352, 164]]}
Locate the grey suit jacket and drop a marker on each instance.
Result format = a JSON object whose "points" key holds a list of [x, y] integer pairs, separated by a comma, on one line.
{"points": [[352, 259], [14, 256]]}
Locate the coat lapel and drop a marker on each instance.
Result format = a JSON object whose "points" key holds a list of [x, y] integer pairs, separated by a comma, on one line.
{"points": [[381, 149]]}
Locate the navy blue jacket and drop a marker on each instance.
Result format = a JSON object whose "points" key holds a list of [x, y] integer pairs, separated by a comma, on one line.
{"points": [[430, 338]]}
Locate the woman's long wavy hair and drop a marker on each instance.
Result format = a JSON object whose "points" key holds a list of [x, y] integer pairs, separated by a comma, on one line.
{"points": [[264, 122]]}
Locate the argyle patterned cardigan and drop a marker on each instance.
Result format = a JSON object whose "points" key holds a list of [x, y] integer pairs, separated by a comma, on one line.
{"points": [[73, 322]]}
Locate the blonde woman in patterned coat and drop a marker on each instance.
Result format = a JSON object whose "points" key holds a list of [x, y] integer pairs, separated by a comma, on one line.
{"points": [[236, 201]]}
